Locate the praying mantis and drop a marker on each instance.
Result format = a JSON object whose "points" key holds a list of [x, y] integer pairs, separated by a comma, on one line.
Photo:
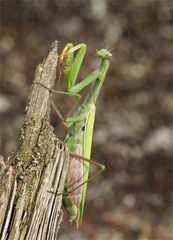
{"points": [[81, 124]]}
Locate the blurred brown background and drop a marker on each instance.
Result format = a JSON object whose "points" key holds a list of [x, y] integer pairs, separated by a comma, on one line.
{"points": [[133, 134]]}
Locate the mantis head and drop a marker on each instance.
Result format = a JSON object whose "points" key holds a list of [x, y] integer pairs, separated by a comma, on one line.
{"points": [[104, 53]]}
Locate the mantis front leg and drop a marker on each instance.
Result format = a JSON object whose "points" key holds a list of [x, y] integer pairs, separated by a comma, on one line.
{"points": [[72, 63]]}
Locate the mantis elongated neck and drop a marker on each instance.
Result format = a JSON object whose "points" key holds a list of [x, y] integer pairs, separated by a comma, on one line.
{"points": [[97, 85]]}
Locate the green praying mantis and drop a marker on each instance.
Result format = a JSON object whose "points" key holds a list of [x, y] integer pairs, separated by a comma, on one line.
{"points": [[80, 126]]}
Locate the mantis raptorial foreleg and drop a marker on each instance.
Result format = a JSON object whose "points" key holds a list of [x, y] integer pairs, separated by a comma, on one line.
{"points": [[71, 65]]}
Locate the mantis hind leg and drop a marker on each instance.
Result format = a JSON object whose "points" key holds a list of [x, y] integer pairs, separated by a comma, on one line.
{"points": [[101, 169]]}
